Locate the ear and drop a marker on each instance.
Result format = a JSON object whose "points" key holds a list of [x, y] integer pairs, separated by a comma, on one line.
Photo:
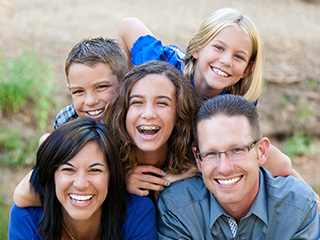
{"points": [[248, 70], [68, 86], [263, 147], [195, 55], [194, 150]]}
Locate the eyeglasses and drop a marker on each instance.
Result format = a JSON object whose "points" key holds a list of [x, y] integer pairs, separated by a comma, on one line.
{"points": [[232, 154]]}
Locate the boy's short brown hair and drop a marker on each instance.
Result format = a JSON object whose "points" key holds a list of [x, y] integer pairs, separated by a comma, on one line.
{"points": [[91, 51]]}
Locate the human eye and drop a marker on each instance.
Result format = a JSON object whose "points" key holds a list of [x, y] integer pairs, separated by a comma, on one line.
{"points": [[135, 102], [163, 103], [240, 57], [77, 92], [218, 47], [237, 152], [67, 169], [210, 155], [95, 170], [103, 86]]}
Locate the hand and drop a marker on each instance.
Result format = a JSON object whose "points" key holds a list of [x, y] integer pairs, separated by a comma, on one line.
{"points": [[144, 178]]}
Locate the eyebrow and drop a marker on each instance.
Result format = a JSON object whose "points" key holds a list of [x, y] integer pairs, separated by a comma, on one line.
{"points": [[96, 84], [92, 165], [158, 97]]}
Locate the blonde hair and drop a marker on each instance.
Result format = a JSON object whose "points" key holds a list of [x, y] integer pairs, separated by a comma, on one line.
{"points": [[248, 87]]}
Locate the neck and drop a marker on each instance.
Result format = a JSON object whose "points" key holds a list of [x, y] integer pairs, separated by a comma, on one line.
{"points": [[156, 158], [238, 210], [81, 229]]}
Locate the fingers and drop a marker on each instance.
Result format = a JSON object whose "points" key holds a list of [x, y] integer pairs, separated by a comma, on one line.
{"points": [[146, 178]]}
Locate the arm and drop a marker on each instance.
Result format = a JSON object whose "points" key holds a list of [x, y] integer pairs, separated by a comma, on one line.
{"points": [[24, 195], [144, 178], [309, 227], [171, 177], [169, 226], [129, 30], [277, 162]]}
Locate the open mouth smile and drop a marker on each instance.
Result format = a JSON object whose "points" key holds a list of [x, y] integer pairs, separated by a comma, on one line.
{"points": [[227, 182], [94, 112], [80, 198], [220, 72], [148, 130]]}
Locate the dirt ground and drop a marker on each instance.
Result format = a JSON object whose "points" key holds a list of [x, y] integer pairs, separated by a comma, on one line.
{"points": [[289, 30]]}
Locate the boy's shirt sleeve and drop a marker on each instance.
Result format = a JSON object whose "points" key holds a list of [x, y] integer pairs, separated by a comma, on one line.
{"points": [[65, 115]]}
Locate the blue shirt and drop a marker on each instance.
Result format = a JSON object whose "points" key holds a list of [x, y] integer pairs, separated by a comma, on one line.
{"points": [[65, 115], [148, 48], [140, 222], [284, 208]]}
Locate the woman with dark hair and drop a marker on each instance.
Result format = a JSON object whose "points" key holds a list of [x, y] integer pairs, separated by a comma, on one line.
{"points": [[80, 180]]}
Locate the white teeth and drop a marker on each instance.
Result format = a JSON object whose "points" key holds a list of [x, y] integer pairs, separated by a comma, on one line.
{"points": [[81, 197], [94, 113], [229, 181], [148, 128], [220, 73]]}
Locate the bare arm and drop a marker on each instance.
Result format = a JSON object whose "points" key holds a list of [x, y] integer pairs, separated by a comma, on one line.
{"points": [[277, 162], [24, 196], [129, 30], [193, 170]]}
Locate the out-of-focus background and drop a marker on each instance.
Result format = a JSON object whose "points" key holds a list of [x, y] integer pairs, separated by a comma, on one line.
{"points": [[36, 36]]}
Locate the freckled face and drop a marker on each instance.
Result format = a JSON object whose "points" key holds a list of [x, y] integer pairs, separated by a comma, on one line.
{"points": [[222, 62], [91, 89], [82, 184], [152, 112]]}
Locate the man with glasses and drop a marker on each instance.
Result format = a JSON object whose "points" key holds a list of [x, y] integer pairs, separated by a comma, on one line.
{"points": [[234, 197]]}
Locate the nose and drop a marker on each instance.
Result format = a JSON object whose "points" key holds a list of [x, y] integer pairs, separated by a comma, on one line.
{"points": [[225, 165], [148, 112], [91, 99], [80, 181], [226, 59]]}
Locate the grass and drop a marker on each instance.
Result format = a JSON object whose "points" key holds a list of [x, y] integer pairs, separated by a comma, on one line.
{"points": [[4, 218], [28, 102]]}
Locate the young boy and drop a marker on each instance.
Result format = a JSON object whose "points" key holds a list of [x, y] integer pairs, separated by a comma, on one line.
{"points": [[94, 69]]}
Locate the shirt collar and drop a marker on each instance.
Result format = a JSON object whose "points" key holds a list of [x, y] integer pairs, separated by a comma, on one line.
{"points": [[258, 207]]}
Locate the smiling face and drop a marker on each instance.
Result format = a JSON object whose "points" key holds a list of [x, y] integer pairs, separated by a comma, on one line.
{"points": [[222, 62], [82, 184], [152, 113], [235, 183], [91, 88]]}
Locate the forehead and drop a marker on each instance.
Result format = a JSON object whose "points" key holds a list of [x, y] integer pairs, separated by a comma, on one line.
{"points": [[89, 75], [222, 132], [154, 84], [89, 154], [235, 36]]}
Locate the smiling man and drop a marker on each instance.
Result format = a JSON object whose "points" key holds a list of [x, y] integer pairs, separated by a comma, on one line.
{"points": [[234, 197]]}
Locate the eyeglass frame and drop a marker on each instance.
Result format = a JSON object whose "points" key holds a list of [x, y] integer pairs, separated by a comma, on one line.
{"points": [[250, 146]]}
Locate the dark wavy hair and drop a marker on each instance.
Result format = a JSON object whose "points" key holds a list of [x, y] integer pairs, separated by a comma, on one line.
{"points": [[60, 147], [181, 138]]}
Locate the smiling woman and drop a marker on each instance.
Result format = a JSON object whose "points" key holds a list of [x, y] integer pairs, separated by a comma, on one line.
{"points": [[80, 180]]}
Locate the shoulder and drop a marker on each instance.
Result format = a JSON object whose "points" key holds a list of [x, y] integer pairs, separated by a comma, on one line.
{"points": [[66, 114], [183, 193], [134, 201], [148, 48], [29, 212], [141, 218], [288, 191], [24, 222]]}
